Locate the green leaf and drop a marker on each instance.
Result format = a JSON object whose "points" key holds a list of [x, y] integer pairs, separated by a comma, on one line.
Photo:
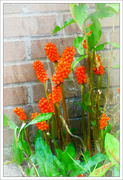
{"points": [[23, 145], [73, 65], [78, 44], [112, 148], [18, 153], [94, 37], [5, 120], [86, 156], [108, 128], [79, 13], [70, 150], [115, 6], [87, 99], [93, 123], [41, 117], [116, 66], [83, 106], [42, 149], [66, 23], [99, 172], [29, 172], [100, 6], [106, 12], [101, 46]]}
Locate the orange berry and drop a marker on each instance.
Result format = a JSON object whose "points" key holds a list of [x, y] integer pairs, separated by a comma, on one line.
{"points": [[56, 94], [20, 112], [51, 52], [100, 70], [80, 74], [40, 71], [103, 121], [119, 90]]}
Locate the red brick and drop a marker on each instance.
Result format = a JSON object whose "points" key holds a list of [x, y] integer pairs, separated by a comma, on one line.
{"points": [[15, 95], [42, 7], [14, 51], [12, 8], [38, 91], [37, 46], [24, 72], [32, 25]]}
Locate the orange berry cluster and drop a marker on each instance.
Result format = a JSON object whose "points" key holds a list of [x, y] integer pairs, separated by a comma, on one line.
{"points": [[84, 42], [119, 90], [80, 74], [103, 121], [20, 112], [64, 65], [41, 125], [40, 71], [56, 94], [51, 52], [100, 70], [45, 106]]}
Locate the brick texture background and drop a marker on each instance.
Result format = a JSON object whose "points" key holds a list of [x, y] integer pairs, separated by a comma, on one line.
{"points": [[27, 28]]}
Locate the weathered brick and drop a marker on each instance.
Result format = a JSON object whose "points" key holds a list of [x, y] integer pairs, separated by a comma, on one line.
{"points": [[117, 36], [15, 95], [24, 72], [32, 25], [104, 38], [42, 7], [7, 136], [37, 46], [12, 8], [14, 51], [106, 57], [39, 92]]}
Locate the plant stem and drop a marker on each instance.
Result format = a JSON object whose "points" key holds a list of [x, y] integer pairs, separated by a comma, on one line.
{"points": [[45, 137], [99, 81], [27, 139], [65, 113], [88, 88], [83, 117], [8, 162], [109, 66], [53, 132]]}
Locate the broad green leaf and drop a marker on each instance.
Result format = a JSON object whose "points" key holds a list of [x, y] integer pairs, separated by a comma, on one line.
{"points": [[115, 6], [101, 46], [116, 66], [87, 99], [95, 35], [29, 172], [99, 172], [86, 156], [5, 120], [23, 145], [13, 126], [78, 44], [41, 117], [83, 106], [108, 128], [17, 152], [79, 13], [51, 170], [106, 12], [21, 128], [42, 149], [70, 150], [77, 61], [100, 6], [66, 23], [112, 148]]}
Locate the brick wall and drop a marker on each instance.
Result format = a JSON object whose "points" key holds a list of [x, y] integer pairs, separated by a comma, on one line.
{"points": [[27, 28]]}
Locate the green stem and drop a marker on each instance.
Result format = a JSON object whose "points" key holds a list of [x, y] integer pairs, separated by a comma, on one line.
{"points": [[109, 65], [45, 137], [8, 162], [27, 139], [83, 117], [53, 133], [99, 81], [65, 113]]}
